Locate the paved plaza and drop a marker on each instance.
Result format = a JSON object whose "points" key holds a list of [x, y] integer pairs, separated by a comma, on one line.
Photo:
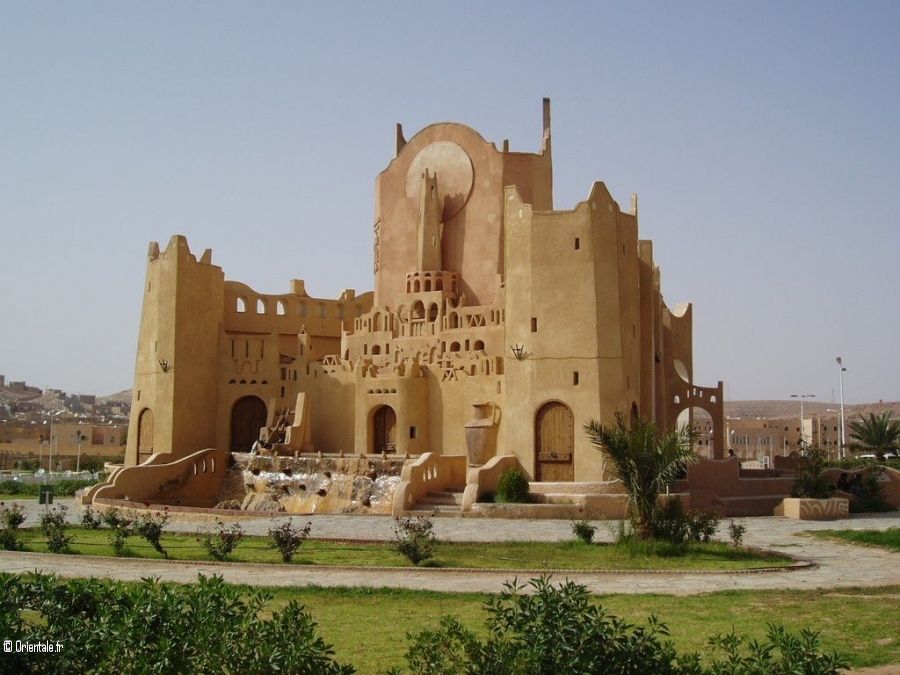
{"points": [[834, 565]]}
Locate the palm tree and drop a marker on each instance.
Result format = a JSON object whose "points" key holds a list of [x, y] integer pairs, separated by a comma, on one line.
{"points": [[877, 433], [644, 460]]}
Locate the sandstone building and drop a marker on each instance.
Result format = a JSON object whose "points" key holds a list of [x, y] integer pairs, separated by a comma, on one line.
{"points": [[491, 311]]}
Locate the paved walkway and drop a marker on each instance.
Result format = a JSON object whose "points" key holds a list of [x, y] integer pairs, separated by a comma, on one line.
{"points": [[836, 565]]}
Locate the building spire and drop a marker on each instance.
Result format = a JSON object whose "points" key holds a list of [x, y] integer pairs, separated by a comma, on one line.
{"points": [[428, 230]]}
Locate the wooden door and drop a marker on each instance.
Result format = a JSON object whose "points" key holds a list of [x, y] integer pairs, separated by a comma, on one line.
{"points": [[145, 435], [554, 443], [384, 437], [248, 416]]}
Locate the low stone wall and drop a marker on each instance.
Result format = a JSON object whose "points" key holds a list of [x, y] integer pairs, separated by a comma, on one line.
{"points": [[189, 481], [814, 509]]}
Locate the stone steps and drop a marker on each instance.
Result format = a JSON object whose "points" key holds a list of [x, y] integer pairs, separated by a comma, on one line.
{"points": [[446, 503]]}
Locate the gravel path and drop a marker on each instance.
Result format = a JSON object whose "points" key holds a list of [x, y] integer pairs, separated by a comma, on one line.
{"points": [[836, 565]]}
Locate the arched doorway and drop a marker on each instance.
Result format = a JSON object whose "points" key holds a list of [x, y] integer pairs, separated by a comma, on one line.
{"points": [[554, 443], [248, 416], [700, 424], [145, 435], [384, 430]]}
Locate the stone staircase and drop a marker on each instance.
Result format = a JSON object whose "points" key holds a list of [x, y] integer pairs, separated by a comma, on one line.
{"points": [[446, 503]]}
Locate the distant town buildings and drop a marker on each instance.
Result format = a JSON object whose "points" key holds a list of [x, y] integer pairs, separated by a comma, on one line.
{"points": [[39, 424]]}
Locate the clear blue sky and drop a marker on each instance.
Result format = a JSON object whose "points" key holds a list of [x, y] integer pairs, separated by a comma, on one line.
{"points": [[762, 139]]}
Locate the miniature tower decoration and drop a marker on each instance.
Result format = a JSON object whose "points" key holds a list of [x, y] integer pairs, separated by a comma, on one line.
{"points": [[428, 230]]}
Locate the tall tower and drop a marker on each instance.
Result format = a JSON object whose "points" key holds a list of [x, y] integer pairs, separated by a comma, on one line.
{"points": [[175, 379], [429, 228]]}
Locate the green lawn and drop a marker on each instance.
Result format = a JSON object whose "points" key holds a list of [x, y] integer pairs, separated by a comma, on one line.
{"points": [[368, 627], [889, 539], [571, 555]]}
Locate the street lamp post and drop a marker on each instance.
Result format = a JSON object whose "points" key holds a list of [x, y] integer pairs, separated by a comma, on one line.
{"points": [[843, 430], [802, 432], [79, 437]]}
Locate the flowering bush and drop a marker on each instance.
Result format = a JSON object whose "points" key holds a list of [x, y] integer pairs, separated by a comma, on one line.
{"points": [[220, 544], [414, 538], [150, 526], [90, 519], [121, 529], [287, 538]]}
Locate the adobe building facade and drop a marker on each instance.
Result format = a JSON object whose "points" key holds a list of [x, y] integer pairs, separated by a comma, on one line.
{"points": [[497, 325]]}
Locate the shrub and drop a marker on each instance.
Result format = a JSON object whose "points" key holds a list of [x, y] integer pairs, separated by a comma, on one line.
{"points": [[11, 487], [584, 531], [53, 525], [512, 487], [545, 630], [149, 627], [221, 544], [61, 488], [737, 531], [868, 497], [414, 538], [11, 517], [121, 529], [287, 538], [150, 526], [809, 480], [781, 653], [702, 525], [68, 488], [90, 519], [680, 528]]}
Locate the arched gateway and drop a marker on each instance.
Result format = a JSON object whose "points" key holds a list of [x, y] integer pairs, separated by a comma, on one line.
{"points": [[248, 416]]}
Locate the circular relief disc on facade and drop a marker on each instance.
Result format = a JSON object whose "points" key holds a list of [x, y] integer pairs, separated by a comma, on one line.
{"points": [[455, 174]]}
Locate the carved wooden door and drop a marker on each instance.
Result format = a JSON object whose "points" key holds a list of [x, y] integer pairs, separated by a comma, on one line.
{"points": [[554, 443]]}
